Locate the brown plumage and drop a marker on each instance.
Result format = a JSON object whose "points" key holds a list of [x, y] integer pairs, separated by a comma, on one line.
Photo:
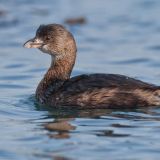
{"points": [[57, 89]]}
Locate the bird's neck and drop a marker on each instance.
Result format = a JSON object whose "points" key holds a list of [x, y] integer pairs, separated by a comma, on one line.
{"points": [[60, 68], [59, 71]]}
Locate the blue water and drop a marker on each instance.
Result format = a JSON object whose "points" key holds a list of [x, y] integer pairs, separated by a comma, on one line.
{"points": [[120, 36]]}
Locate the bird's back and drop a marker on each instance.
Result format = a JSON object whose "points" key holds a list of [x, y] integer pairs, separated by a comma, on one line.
{"points": [[105, 91]]}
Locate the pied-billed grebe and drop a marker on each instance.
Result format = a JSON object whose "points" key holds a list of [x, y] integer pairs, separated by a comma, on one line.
{"points": [[57, 89]]}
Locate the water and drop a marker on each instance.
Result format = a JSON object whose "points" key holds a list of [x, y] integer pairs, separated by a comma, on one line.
{"points": [[119, 37]]}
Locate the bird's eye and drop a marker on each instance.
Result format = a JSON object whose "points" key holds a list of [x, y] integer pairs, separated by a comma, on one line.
{"points": [[47, 38]]}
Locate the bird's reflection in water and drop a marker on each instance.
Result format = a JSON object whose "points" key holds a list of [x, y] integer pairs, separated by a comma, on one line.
{"points": [[62, 125], [60, 128]]}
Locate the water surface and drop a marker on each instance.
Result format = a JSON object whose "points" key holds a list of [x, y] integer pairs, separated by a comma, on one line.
{"points": [[119, 37]]}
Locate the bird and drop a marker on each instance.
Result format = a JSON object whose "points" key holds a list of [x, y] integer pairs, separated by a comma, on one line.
{"points": [[87, 91]]}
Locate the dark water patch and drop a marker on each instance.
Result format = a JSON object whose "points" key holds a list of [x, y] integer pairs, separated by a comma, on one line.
{"points": [[157, 29], [147, 4], [143, 24], [20, 111], [27, 101], [12, 86], [14, 114], [154, 64], [9, 44], [117, 125], [8, 23], [136, 116], [110, 133], [37, 70], [7, 155], [16, 77], [84, 48], [3, 13], [155, 47], [17, 65], [119, 19], [131, 21], [132, 61], [40, 12]]}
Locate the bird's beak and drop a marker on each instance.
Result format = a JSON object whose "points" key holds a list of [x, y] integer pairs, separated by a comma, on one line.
{"points": [[33, 43]]}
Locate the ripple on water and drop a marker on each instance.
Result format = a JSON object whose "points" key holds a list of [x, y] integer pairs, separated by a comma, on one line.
{"points": [[16, 65], [13, 86], [155, 47], [16, 77], [8, 22], [105, 133], [133, 61]]}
